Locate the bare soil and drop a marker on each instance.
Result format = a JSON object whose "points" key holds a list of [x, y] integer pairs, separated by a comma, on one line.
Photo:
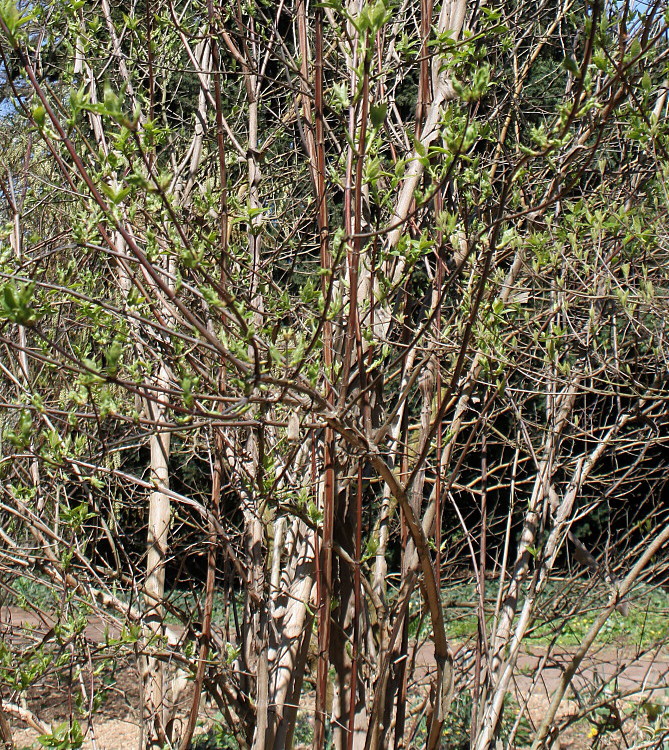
{"points": [[114, 724]]}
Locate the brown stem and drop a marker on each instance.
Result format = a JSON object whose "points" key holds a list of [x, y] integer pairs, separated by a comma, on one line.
{"points": [[208, 599], [5, 730], [220, 143], [357, 604]]}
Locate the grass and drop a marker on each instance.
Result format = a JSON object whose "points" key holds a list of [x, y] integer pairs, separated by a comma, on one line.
{"points": [[646, 623]]}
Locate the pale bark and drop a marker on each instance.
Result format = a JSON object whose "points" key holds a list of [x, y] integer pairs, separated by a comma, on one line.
{"points": [[623, 589], [451, 18], [5, 730], [561, 511], [156, 709], [292, 622]]}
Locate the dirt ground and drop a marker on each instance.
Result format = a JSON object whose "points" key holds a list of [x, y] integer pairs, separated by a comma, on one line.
{"points": [[115, 725], [115, 722]]}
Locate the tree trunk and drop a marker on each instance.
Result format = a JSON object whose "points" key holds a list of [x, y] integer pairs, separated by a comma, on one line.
{"points": [[155, 709]]}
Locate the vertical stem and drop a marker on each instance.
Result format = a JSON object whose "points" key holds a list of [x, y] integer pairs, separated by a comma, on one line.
{"points": [[439, 282], [151, 72], [353, 195], [325, 590], [424, 75], [5, 730], [212, 550], [154, 587], [356, 609], [16, 242], [220, 143], [481, 645], [400, 712], [323, 227], [324, 580]]}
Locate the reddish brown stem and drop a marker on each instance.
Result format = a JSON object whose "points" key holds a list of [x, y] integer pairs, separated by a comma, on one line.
{"points": [[220, 143], [324, 578], [208, 599], [357, 604], [481, 647]]}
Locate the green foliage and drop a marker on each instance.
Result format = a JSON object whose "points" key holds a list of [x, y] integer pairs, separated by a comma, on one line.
{"points": [[17, 304], [67, 736], [654, 719], [456, 735], [21, 435], [217, 738], [13, 20]]}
